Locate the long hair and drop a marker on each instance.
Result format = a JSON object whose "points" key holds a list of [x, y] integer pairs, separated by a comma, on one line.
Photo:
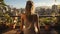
{"points": [[29, 7]]}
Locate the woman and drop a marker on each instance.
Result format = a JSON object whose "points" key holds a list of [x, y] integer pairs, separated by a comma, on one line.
{"points": [[28, 19]]}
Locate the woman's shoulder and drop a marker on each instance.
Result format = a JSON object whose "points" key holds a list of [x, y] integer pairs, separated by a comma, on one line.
{"points": [[23, 15]]}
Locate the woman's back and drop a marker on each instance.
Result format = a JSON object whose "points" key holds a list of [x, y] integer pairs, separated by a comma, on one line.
{"points": [[29, 22]]}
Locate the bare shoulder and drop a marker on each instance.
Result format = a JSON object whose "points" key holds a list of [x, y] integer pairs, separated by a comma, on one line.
{"points": [[23, 15]]}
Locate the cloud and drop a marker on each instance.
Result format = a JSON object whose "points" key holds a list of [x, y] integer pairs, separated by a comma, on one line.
{"points": [[42, 4], [46, 4]]}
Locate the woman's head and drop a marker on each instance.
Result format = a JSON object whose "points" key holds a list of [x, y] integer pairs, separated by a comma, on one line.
{"points": [[29, 7]]}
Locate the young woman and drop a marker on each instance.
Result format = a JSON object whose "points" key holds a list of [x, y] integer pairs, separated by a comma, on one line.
{"points": [[29, 20]]}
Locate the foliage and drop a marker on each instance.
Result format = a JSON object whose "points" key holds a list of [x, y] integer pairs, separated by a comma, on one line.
{"points": [[48, 20]]}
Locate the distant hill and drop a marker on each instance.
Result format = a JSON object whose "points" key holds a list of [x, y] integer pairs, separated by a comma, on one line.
{"points": [[46, 7]]}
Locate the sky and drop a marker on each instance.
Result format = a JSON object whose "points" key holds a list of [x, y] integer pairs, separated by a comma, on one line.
{"points": [[22, 3]]}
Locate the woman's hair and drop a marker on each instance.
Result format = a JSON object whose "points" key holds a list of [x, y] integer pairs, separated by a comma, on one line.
{"points": [[29, 6]]}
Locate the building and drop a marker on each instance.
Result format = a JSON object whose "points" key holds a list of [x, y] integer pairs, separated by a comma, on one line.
{"points": [[55, 9]]}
